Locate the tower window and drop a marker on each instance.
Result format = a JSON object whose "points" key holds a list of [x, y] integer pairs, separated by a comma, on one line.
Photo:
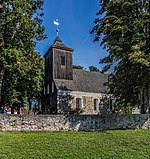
{"points": [[63, 60]]}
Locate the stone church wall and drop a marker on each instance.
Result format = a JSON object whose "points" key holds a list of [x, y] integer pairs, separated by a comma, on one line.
{"points": [[87, 102], [73, 122]]}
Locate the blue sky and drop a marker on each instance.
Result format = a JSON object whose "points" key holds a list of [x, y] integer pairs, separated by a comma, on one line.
{"points": [[76, 19]]}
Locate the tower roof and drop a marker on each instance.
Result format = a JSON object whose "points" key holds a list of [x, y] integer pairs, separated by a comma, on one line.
{"points": [[58, 44], [57, 40]]}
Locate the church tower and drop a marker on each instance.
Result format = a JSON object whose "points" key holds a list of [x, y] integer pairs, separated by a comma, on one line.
{"points": [[58, 65], [58, 61]]}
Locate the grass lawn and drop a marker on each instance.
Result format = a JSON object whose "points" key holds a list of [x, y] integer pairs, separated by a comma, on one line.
{"points": [[118, 144]]}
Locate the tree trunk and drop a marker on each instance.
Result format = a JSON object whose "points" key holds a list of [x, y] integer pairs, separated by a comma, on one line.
{"points": [[147, 98], [145, 105], [142, 102], [18, 108], [30, 104], [1, 83], [12, 109]]}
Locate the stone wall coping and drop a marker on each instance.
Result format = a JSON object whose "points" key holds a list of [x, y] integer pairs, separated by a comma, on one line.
{"points": [[76, 115]]}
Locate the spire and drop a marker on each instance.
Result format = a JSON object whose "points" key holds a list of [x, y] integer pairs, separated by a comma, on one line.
{"points": [[57, 24], [57, 40]]}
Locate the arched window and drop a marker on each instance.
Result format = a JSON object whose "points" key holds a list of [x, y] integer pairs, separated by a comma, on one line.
{"points": [[48, 89], [52, 87], [96, 105], [111, 104], [78, 103]]}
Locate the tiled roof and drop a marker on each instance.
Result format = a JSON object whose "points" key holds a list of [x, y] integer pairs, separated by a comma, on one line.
{"points": [[59, 45], [84, 81]]}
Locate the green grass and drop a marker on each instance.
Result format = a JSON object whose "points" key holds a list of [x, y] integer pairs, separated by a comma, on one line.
{"points": [[121, 144]]}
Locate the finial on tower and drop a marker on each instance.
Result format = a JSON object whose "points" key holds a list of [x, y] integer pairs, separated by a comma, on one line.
{"points": [[57, 24]]}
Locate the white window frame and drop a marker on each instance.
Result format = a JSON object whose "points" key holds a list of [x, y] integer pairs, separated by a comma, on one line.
{"points": [[97, 104], [80, 106], [111, 104]]}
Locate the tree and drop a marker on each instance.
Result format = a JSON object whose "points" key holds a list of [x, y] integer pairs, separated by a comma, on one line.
{"points": [[34, 78], [78, 67], [20, 29], [93, 68], [124, 27]]}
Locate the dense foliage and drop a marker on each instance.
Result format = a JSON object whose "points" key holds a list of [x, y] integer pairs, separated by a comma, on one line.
{"points": [[124, 30], [93, 68], [78, 67], [20, 66]]}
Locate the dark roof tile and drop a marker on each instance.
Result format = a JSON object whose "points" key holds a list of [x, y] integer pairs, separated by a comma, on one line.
{"points": [[59, 44], [84, 81]]}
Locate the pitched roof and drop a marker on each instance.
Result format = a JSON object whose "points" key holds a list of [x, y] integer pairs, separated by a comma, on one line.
{"points": [[59, 45], [84, 81]]}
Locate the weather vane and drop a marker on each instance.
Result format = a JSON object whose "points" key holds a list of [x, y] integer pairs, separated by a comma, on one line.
{"points": [[57, 24]]}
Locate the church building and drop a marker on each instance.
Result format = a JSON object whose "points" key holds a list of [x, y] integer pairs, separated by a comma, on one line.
{"points": [[69, 90]]}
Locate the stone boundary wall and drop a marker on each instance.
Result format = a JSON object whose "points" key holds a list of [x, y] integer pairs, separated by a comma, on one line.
{"points": [[73, 122]]}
